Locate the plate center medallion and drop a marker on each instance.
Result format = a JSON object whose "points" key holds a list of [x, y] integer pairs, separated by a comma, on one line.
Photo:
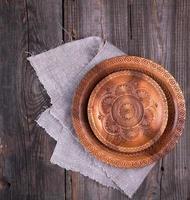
{"points": [[127, 111]]}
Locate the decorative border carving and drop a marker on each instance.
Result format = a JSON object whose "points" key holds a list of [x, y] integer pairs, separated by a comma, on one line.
{"points": [[147, 156]]}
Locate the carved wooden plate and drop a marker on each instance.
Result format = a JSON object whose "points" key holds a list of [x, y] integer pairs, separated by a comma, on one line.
{"points": [[176, 112], [128, 111]]}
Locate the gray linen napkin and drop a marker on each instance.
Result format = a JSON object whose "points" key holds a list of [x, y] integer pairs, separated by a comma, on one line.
{"points": [[60, 70]]}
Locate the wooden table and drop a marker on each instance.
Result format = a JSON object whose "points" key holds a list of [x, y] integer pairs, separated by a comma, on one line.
{"points": [[155, 29]]}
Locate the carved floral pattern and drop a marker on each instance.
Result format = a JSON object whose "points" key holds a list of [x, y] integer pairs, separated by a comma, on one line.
{"points": [[144, 97], [107, 103], [128, 114], [111, 126], [147, 119]]}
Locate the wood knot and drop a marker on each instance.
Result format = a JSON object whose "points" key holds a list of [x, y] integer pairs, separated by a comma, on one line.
{"points": [[162, 168], [4, 184]]}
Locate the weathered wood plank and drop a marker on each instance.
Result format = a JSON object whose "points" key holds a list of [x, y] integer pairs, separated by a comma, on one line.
{"points": [[82, 19], [13, 152], [45, 32], [27, 26], [176, 177]]}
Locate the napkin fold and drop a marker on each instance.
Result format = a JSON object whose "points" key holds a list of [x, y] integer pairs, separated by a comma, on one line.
{"points": [[60, 70]]}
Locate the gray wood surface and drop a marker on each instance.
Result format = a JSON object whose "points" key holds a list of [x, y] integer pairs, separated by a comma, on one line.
{"points": [[154, 29]]}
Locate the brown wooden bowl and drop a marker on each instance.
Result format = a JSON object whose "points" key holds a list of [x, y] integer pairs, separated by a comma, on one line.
{"points": [[128, 111], [176, 112]]}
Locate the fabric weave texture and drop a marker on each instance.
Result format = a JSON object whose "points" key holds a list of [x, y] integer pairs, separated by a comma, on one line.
{"points": [[60, 70]]}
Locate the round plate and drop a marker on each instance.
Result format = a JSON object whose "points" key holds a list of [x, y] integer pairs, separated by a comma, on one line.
{"points": [[128, 111], [176, 112]]}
